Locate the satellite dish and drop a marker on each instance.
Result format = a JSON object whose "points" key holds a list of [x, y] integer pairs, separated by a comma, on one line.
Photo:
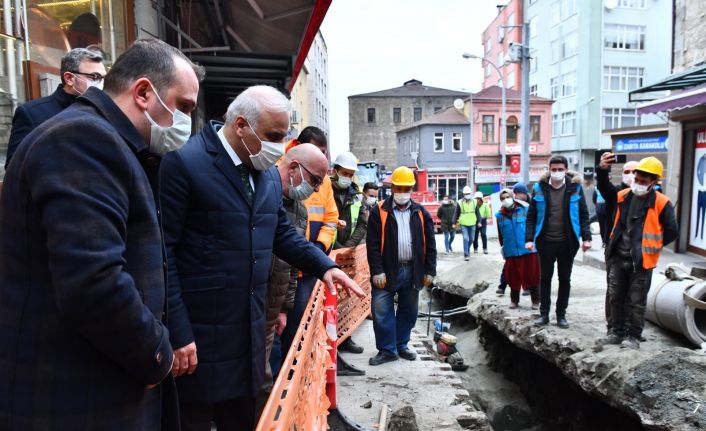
{"points": [[611, 4], [458, 104]]}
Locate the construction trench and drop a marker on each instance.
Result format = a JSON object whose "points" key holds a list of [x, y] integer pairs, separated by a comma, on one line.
{"points": [[521, 377], [527, 378]]}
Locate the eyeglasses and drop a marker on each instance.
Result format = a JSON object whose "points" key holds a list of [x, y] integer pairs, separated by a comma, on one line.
{"points": [[317, 179], [95, 76]]}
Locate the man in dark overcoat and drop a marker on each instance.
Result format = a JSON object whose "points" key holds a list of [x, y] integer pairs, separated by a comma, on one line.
{"points": [[223, 219], [82, 270]]}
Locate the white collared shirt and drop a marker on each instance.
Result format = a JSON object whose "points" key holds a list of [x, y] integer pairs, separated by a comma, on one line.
{"points": [[231, 152], [404, 232]]}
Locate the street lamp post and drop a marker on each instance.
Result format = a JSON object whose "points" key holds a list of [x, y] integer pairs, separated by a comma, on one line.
{"points": [[503, 127]]}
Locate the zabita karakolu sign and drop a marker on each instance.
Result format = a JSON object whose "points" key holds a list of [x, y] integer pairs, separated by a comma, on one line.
{"points": [[698, 194], [652, 144]]}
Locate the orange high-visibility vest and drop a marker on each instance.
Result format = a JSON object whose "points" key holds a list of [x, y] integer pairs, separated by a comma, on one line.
{"points": [[652, 232], [383, 220]]}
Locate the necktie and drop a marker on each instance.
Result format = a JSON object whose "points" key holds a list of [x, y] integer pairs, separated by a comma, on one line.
{"points": [[245, 177]]}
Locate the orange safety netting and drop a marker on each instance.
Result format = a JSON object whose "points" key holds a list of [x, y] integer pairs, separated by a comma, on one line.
{"points": [[298, 400], [352, 310], [306, 386]]}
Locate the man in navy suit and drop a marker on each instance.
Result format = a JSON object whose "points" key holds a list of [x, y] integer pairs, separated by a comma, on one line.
{"points": [[80, 68], [82, 263], [223, 219]]}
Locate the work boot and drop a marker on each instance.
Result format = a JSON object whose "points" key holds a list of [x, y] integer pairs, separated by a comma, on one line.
{"points": [[349, 346], [609, 339], [542, 321], [382, 358], [562, 322], [500, 291], [407, 354], [630, 343]]}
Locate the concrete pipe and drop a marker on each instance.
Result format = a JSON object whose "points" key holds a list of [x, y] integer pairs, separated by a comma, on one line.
{"points": [[678, 304]]}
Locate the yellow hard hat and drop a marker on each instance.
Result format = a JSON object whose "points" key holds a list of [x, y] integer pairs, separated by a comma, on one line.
{"points": [[403, 176], [651, 165]]}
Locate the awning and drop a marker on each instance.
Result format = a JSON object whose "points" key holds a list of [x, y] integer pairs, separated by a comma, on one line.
{"points": [[681, 100], [679, 81], [243, 42]]}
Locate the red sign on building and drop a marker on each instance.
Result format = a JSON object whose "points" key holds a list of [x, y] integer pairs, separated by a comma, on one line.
{"points": [[515, 165]]}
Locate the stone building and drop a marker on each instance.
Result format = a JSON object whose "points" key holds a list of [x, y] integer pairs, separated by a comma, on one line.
{"points": [[375, 117]]}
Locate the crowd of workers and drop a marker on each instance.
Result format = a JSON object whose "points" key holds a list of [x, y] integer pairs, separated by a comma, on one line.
{"points": [[544, 230], [150, 279]]}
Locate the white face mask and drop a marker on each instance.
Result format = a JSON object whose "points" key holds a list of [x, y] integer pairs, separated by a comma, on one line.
{"points": [[402, 198], [508, 202], [269, 153], [467, 197], [558, 176], [302, 191], [371, 200], [343, 182], [628, 179], [90, 83], [171, 138], [639, 189], [445, 201]]}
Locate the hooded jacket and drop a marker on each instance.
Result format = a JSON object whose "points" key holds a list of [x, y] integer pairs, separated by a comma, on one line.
{"points": [[574, 203], [512, 228]]}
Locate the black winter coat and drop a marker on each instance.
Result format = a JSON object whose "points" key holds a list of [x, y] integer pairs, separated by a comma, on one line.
{"points": [[387, 262]]}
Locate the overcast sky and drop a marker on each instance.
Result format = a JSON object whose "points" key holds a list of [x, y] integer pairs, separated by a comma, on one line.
{"points": [[379, 44]]}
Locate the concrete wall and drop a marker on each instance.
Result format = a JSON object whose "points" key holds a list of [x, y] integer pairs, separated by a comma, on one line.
{"points": [[381, 135], [689, 34]]}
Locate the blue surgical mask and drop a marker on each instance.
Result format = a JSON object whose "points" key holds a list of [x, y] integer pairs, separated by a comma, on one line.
{"points": [[302, 191]]}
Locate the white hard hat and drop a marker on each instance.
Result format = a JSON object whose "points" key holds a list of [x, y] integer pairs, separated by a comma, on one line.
{"points": [[467, 190], [478, 195], [346, 160]]}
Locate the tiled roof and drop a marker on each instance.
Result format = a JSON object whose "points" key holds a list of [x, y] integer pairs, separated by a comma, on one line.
{"points": [[495, 93], [448, 115], [414, 88]]}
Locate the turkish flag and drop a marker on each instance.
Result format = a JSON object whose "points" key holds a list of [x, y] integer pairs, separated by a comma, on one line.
{"points": [[515, 164]]}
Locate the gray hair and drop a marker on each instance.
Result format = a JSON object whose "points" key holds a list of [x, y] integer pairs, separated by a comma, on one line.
{"points": [[147, 58], [253, 101], [73, 59]]}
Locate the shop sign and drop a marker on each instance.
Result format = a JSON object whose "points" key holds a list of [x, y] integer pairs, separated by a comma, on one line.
{"points": [[698, 194], [494, 175], [650, 144], [517, 149]]}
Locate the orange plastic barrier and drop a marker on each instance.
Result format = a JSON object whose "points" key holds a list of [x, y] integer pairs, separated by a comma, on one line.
{"points": [[306, 386], [352, 310], [298, 400]]}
